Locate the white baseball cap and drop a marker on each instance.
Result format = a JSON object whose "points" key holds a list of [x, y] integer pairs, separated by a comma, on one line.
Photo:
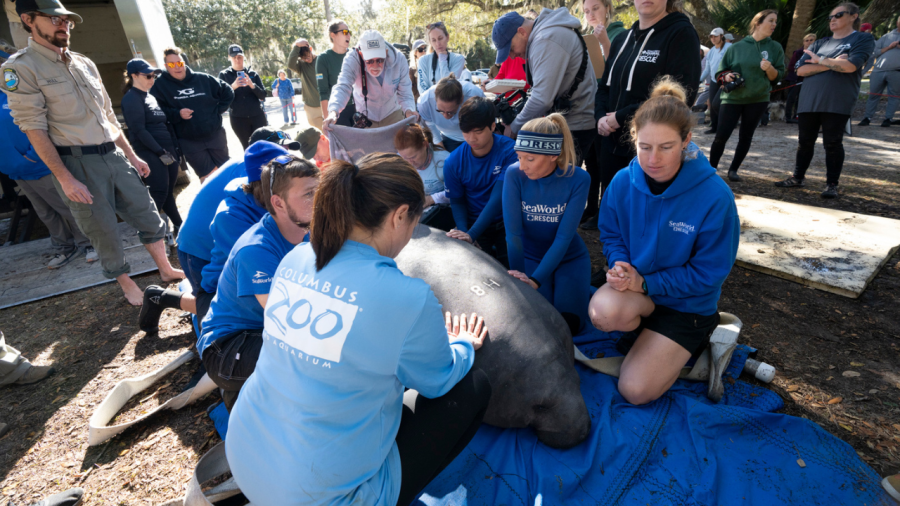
{"points": [[372, 45], [717, 31]]}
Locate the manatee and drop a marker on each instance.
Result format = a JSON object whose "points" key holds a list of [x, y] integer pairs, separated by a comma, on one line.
{"points": [[528, 355]]}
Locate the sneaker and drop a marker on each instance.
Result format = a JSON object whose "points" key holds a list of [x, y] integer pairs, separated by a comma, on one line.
{"points": [[830, 192], [792, 122], [90, 255], [863, 122], [886, 123], [71, 497], [710, 131], [733, 176], [892, 485], [895, 121], [151, 310], [61, 259], [791, 182], [34, 374]]}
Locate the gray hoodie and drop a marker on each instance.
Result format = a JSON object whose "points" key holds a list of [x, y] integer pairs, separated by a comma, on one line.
{"points": [[890, 60], [383, 99], [554, 54]]}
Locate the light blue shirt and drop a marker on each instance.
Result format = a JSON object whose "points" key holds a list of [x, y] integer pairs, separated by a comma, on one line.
{"points": [[315, 424], [713, 57], [440, 126]]}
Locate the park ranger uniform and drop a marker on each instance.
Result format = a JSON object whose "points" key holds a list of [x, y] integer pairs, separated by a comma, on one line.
{"points": [[67, 99]]}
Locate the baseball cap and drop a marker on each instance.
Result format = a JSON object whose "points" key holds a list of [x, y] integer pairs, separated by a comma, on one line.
{"points": [[504, 30], [234, 50], [717, 31], [309, 141], [372, 45], [50, 7], [865, 26], [141, 66], [275, 136], [729, 37], [417, 44], [258, 154]]}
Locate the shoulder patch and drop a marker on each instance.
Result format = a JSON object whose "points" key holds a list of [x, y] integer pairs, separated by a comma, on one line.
{"points": [[10, 79]]}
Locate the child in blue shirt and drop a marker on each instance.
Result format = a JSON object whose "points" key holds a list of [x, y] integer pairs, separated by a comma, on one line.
{"points": [[284, 89], [544, 196], [473, 176], [232, 329], [670, 232], [324, 418]]}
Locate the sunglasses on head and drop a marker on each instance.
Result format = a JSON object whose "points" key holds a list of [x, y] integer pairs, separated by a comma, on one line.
{"points": [[435, 25], [58, 20], [421, 49], [345, 32], [838, 15], [278, 135], [375, 61], [173, 64], [277, 163]]}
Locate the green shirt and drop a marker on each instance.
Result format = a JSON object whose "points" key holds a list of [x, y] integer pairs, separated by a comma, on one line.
{"points": [[613, 30], [307, 71], [328, 68], [744, 58]]}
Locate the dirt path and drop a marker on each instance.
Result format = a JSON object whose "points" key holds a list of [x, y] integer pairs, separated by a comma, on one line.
{"points": [[812, 337]]}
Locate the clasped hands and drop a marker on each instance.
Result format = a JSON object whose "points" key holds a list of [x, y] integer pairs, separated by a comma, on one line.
{"points": [[624, 277]]}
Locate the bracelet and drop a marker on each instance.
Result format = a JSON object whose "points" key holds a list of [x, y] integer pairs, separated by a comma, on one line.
{"points": [[538, 283]]}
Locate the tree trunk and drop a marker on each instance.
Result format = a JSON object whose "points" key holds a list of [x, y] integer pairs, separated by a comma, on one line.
{"points": [[879, 11], [701, 18], [803, 14]]}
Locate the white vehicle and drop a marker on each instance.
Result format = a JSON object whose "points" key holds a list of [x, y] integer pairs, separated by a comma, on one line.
{"points": [[479, 77]]}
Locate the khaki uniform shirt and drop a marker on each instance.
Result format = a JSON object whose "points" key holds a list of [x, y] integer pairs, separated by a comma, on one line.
{"points": [[67, 100]]}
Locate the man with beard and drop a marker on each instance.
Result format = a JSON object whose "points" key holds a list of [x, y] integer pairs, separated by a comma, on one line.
{"points": [[57, 98], [231, 339]]}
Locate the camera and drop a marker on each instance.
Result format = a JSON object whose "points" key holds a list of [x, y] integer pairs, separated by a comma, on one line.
{"points": [[361, 121], [509, 106], [304, 51], [737, 81]]}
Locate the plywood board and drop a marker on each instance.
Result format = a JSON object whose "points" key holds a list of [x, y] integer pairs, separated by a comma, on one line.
{"points": [[24, 276], [596, 54], [834, 251]]}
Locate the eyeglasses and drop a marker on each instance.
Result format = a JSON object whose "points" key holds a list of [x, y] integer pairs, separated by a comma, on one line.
{"points": [[58, 20], [437, 24], [375, 61], [345, 32], [173, 64], [446, 113], [839, 15], [421, 49]]}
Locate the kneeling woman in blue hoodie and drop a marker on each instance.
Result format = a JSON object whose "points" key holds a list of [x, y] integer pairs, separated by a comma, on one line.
{"points": [[543, 199], [670, 231]]}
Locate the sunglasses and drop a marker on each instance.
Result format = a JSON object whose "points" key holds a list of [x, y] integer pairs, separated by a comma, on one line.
{"points": [[345, 32], [173, 64], [839, 15], [59, 21], [375, 61], [277, 163], [149, 76], [435, 25], [422, 49]]}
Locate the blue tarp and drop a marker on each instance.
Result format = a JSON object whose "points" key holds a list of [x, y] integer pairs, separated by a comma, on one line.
{"points": [[680, 449]]}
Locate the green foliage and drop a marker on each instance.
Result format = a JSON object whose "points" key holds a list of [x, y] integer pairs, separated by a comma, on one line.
{"points": [[819, 22], [482, 55], [264, 28], [734, 16]]}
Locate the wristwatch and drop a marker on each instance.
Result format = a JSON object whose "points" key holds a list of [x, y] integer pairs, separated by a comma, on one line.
{"points": [[644, 287]]}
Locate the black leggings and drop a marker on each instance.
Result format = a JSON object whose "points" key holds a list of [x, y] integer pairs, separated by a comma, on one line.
{"points": [[434, 431], [832, 125], [715, 104], [729, 114], [610, 163], [161, 184], [245, 126]]}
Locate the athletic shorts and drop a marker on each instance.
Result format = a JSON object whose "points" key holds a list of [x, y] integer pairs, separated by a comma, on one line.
{"points": [[207, 154], [691, 331]]}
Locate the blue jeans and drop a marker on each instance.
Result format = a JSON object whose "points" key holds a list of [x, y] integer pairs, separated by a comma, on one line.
{"points": [[288, 104], [192, 267]]}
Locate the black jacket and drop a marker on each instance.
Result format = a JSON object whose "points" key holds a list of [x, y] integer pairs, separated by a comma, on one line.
{"points": [[246, 99], [636, 58], [207, 96]]}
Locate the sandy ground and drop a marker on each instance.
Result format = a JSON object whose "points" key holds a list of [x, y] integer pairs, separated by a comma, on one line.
{"points": [[812, 337]]}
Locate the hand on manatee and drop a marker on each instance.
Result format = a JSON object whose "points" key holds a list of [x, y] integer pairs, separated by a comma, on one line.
{"points": [[459, 234], [472, 330], [521, 276]]}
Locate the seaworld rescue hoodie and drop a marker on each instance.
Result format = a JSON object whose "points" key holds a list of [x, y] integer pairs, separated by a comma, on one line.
{"points": [[683, 241], [638, 57]]}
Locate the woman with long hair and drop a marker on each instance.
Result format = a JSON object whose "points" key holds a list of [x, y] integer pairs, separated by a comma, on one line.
{"points": [[670, 233], [439, 62], [759, 61]]}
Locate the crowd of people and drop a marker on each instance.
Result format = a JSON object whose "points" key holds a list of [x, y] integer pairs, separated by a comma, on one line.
{"points": [[304, 321]]}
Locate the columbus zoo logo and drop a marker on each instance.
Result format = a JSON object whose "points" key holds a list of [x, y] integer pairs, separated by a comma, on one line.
{"points": [[308, 318]]}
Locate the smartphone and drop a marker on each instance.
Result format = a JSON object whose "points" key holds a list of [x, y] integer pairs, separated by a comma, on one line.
{"points": [[241, 74]]}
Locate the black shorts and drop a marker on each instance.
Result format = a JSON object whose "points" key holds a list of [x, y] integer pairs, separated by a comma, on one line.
{"points": [[206, 154], [691, 331]]}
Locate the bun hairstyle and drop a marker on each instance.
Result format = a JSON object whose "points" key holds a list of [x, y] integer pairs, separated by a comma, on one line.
{"points": [[361, 195], [667, 105], [556, 124], [852, 8], [331, 27], [759, 18], [449, 89], [414, 136]]}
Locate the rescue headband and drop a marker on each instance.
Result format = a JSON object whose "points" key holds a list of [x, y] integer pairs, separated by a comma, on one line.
{"points": [[539, 144]]}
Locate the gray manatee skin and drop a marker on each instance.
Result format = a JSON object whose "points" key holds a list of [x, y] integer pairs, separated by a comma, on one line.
{"points": [[528, 356]]}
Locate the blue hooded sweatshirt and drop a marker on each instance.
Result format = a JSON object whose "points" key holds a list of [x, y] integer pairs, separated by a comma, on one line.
{"points": [[194, 237], [235, 215], [683, 241], [21, 161]]}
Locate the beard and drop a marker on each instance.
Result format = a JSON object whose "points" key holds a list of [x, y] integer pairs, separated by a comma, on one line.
{"points": [[52, 38], [296, 218]]}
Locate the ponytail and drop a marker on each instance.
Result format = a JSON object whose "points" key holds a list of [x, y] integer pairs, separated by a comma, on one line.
{"points": [[351, 195], [556, 124]]}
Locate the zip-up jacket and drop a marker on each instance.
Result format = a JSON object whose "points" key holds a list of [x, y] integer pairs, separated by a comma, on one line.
{"points": [[889, 60], [455, 63], [553, 55], [207, 96], [638, 57], [246, 102], [20, 160], [382, 99], [744, 58]]}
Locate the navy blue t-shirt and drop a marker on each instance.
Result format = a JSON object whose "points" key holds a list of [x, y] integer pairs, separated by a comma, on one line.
{"points": [[472, 178]]}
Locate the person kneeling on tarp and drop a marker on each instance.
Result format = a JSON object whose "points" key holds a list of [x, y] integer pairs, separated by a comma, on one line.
{"points": [[544, 195], [232, 329], [324, 419], [670, 232]]}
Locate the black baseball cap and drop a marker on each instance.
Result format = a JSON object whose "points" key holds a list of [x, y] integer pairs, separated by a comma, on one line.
{"points": [[49, 7], [141, 66], [277, 136], [234, 50]]}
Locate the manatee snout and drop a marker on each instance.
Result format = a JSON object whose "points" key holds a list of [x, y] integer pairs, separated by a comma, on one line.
{"points": [[564, 425]]}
